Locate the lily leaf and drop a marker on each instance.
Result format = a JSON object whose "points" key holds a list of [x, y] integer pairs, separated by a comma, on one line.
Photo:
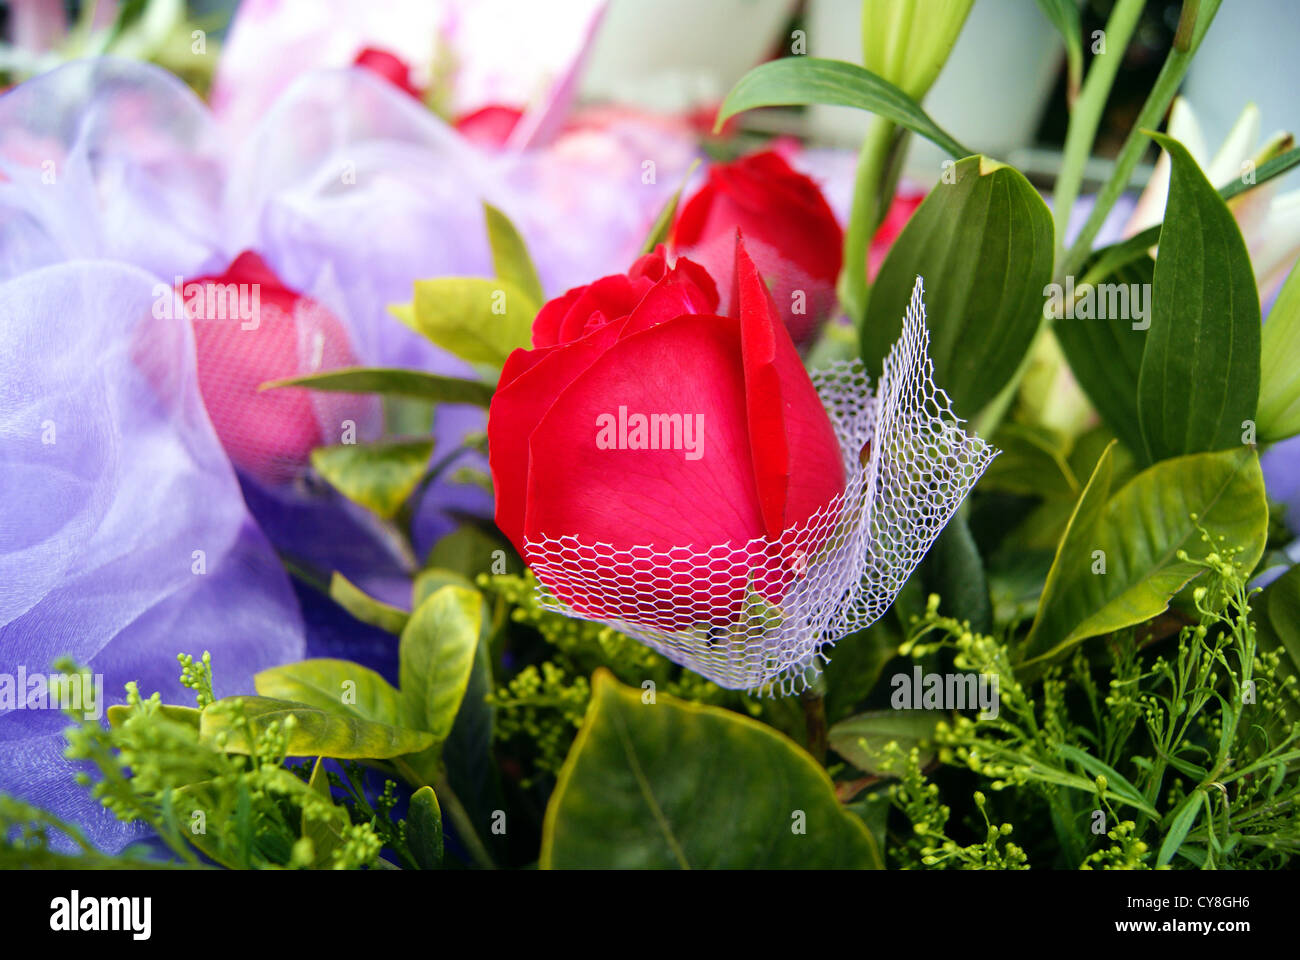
{"points": [[983, 244], [1279, 391], [679, 785], [437, 657], [424, 828], [393, 382], [1199, 381], [794, 81]]}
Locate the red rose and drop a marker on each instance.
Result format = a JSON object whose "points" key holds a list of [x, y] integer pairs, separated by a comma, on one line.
{"points": [[642, 421], [248, 329], [489, 126], [392, 68], [789, 230]]}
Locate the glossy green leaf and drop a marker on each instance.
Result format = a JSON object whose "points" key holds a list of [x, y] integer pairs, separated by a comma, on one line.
{"points": [[1279, 387], [437, 657], [861, 740], [379, 476], [793, 81], [365, 607], [983, 246], [424, 829], [1199, 380], [477, 319], [393, 382], [673, 784], [1032, 462], [1105, 353], [338, 686], [510, 259], [1139, 531], [316, 732], [663, 225]]}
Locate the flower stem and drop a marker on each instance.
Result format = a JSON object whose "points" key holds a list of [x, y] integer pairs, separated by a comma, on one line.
{"points": [[814, 715], [869, 204], [1196, 18], [1087, 110]]}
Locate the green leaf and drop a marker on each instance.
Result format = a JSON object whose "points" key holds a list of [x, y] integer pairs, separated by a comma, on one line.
{"points": [[1277, 626], [855, 666], [118, 713], [325, 833], [1033, 462], [680, 784], [1117, 783], [437, 656], [393, 382], [1184, 820], [1139, 532], [1105, 354], [983, 246], [1200, 370], [664, 222], [794, 81], [954, 570], [861, 740], [424, 829], [379, 476], [477, 319], [337, 686], [365, 607], [510, 259], [316, 733], [430, 581], [1279, 388]]}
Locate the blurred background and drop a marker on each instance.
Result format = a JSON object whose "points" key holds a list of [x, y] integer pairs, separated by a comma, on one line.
{"points": [[1003, 90]]}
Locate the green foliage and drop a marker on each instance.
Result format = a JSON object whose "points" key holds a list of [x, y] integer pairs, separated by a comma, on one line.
{"points": [[1199, 383], [1279, 391], [1124, 555], [379, 476], [657, 782], [1185, 756], [982, 242], [801, 80], [392, 382]]}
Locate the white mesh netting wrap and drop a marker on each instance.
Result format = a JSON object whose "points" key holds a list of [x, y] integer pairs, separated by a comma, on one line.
{"points": [[758, 616]]}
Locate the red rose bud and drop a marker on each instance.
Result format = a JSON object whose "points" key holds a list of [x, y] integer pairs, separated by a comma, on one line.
{"points": [[249, 329], [392, 68], [489, 126], [789, 230], [645, 423]]}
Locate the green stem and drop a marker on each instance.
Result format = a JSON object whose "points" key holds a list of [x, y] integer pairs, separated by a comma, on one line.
{"points": [[1086, 115], [1196, 19], [872, 173], [814, 714]]}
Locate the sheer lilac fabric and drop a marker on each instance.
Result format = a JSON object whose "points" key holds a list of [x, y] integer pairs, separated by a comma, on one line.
{"points": [[123, 537]]}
